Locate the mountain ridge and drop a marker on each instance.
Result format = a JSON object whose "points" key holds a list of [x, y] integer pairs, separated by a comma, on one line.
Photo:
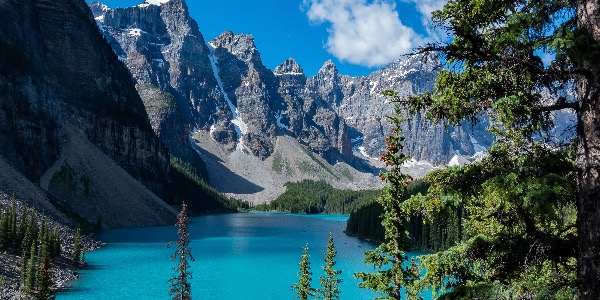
{"points": [[225, 91]]}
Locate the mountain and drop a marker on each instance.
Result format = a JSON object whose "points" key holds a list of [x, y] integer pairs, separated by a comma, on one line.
{"points": [[219, 99], [71, 119]]}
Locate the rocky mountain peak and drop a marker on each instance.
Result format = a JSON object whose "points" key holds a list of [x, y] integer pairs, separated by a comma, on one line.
{"points": [[328, 67], [161, 2], [240, 45], [289, 67], [99, 9]]}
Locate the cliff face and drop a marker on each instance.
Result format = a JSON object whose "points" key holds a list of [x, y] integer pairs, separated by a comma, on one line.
{"points": [[60, 80], [364, 109], [168, 58], [223, 87]]}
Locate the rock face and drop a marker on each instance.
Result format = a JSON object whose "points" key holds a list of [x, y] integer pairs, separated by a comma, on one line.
{"points": [[60, 80], [364, 108], [169, 60], [224, 88], [221, 86]]}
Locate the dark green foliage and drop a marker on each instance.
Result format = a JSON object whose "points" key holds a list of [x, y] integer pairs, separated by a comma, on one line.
{"points": [[312, 197], [37, 243], [180, 287], [514, 219], [30, 270], [45, 279], [329, 281], [365, 220], [188, 184], [76, 255], [389, 258], [513, 214], [303, 288]]}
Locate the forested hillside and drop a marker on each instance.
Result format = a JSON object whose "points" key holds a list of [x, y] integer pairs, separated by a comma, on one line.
{"points": [[313, 197]]}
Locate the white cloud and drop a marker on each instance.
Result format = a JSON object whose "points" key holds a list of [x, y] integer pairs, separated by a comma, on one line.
{"points": [[426, 7], [364, 33]]}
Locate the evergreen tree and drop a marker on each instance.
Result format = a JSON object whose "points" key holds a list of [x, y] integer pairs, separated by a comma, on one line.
{"points": [[389, 257], [76, 255], [303, 288], [23, 269], [3, 230], [12, 222], [330, 281], [44, 276], [30, 272], [21, 230], [521, 201], [180, 287]]}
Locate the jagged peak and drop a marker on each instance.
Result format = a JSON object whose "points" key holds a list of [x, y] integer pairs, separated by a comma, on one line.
{"points": [[99, 9], [328, 67], [153, 2], [228, 40], [424, 61], [289, 67]]}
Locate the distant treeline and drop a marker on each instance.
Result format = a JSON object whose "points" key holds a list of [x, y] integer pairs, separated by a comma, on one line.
{"points": [[365, 223], [314, 197], [199, 195]]}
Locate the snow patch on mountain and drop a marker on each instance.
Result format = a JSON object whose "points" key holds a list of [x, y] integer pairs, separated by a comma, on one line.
{"points": [[419, 165], [240, 127], [458, 160], [278, 117], [134, 32], [152, 2], [364, 153]]}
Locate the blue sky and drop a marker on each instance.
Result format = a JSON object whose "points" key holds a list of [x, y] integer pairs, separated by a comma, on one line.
{"points": [[360, 36]]}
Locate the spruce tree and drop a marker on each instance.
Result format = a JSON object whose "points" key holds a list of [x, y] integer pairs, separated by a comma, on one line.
{"points": [[303, 288], [23, 224], [329, 281], [24, 261], [76, 248], [44, 276], [520, 63], [389, 257], [3, 230], [180, 287], [12, 222], [30, 271]]}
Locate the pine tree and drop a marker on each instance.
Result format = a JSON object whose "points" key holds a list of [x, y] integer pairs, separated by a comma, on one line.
{"points": [[330, 281], [23, 269], [389, 257], [180, 287], [75, 258], [44, 276], [520, 63], [12, 221], [303, 288], [3, 230], [30, 272]]}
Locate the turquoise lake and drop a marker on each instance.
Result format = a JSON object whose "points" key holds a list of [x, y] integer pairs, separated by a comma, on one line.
{"points": [[237, 256]]}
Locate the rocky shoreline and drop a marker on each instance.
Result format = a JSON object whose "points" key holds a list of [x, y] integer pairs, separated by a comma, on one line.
{"points": [[64, 273]]}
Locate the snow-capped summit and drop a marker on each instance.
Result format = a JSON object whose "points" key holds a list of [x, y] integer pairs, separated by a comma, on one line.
{"points": [[153, 2]]}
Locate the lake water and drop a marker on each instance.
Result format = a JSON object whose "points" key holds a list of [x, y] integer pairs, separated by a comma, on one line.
{"points": [[237, 256]]}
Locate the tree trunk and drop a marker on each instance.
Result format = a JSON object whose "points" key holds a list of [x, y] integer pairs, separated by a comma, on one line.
{"points": [[588, 152]]}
